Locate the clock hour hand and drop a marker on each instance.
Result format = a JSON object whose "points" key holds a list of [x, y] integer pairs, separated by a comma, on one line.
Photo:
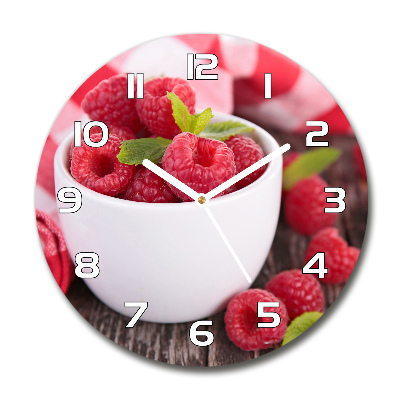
{"points": [[225, 185], [171, 179]]}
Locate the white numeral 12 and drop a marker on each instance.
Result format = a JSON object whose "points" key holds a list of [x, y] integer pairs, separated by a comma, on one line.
{"points": [[199, 68]]}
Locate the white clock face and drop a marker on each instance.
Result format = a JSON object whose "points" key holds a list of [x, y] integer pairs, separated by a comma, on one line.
{"points": [[201, 200]]}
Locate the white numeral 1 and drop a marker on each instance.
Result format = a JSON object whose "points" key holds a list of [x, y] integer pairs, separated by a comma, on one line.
{"points": [[324, 130], [199, 68], [193, 333], [139, 85], [341, 204], [92, 264], [142, 308], [321, 270], [76, 199], [261, 313], [267, 86]]}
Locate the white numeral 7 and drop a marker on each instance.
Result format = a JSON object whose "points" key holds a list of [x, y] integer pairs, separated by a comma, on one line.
{"points": [[142, 308]]}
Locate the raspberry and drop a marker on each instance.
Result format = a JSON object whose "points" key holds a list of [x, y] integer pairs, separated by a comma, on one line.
{"points": [[340, 258], [155, 109], [241, 319], [200, 163], [300, 292], [246, 152], [304, 206], [358, 158], [108, 102], [149, 187], [98, 168]]}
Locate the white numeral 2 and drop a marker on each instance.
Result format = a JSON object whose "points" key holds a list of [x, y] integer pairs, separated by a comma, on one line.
{"points": [[341, 204], [324, 130], [261, 313], [142, 308], [199, 68]]}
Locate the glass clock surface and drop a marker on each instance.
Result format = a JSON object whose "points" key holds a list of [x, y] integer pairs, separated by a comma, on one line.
{"points": [[201, 200]]}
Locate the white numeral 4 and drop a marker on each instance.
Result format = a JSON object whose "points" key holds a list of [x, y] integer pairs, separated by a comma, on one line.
{"points": [[341, 204], [142, 308], [324, 130], [193, 333], [321, 270], [262, 314]]}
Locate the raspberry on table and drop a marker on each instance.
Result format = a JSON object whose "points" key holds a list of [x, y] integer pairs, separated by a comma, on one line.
{"points": [[149, 187], [246, 152], [300, 292], [200, 163], [241, 319], [304, 206], [98, 168], [340, 258], [155, 109], [108, 102]]}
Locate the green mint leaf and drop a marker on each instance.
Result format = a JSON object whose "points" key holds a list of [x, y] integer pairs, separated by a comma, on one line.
{"points": [[134, 151], [186, 121], [180, 112], [199, 121], [300, 325], [309, 163], [224, 130]]}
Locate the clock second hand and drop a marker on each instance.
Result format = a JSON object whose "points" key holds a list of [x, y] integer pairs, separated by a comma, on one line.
{"points": [[228, 245]]}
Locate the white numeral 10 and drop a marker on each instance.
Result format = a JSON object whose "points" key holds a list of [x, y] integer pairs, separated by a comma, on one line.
{"points": [[193, 333], [86, 134], [321, 270], [92, 264], [75, 198], [262, 314], [199, 68]]}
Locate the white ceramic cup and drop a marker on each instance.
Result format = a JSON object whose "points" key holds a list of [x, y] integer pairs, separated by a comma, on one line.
{"points": [[170, 255]]}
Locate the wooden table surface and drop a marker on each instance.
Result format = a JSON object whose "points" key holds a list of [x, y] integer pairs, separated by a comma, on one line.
{"points": [[170, 343]]}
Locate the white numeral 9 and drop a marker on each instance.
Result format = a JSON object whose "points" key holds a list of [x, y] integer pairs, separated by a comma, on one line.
{"points": [[199, 68], [262, 314], [341, 204], [76, 199], [193, 333], [92, 264], [324, 130]]}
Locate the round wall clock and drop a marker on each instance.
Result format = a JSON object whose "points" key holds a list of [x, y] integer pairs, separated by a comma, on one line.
{"points": [[201, 200]]}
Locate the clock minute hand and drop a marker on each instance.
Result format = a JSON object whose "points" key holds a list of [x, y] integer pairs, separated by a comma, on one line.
{"points": [[170, 179], [225, 185]]}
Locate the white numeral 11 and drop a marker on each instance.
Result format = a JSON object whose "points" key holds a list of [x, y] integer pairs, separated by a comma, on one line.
{"points": [[139, 86]]}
